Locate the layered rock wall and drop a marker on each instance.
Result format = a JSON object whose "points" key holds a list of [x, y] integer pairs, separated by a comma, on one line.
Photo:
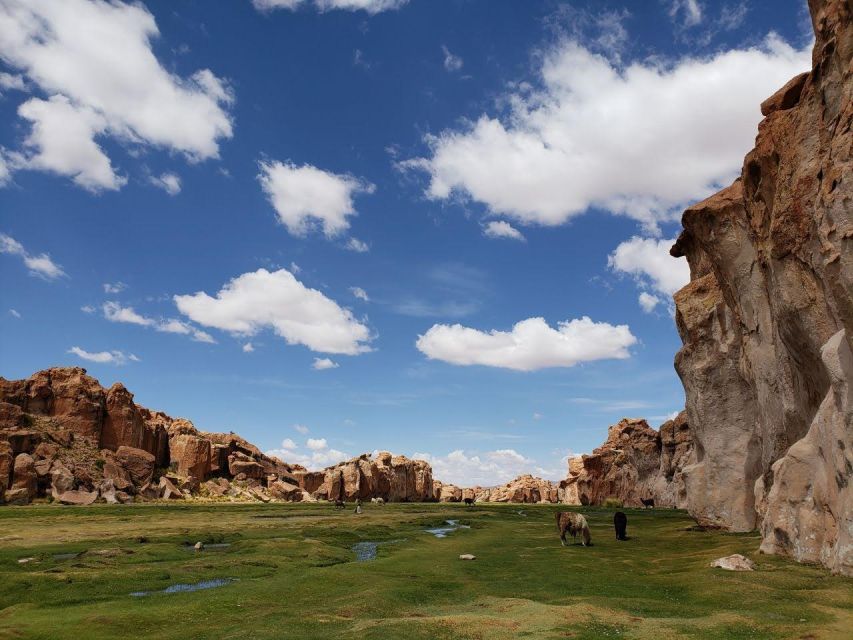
{"points": [[767, 319]]}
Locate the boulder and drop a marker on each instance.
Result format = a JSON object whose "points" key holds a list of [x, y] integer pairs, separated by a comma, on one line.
{"points": [[61, 480], [168, 490], [107, 491], [138, 463], [735, 562], [79, 498], [17, 497], [24, 475], [285, 491], [240, 463]]}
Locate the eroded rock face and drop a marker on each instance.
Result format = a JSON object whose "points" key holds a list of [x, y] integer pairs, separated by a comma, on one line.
{"points": [[525, 489], [393, 478], [625, 467], [771, 284]]}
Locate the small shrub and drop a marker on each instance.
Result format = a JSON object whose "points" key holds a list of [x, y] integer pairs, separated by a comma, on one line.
{"points": [[612, 503], [99, 464]]}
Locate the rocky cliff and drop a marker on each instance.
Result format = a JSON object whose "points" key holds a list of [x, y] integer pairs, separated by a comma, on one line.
{"points": [[63, 435], [767, 319], [634, 463]]}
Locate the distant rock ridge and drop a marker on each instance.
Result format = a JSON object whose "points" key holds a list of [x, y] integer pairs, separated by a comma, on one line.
{"points": [[767, 320]]}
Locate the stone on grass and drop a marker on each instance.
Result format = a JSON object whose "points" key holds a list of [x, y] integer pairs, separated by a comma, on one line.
{"points": [[735, 562]]}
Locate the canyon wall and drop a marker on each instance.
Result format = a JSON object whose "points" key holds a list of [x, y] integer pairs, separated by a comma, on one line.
{"points": [[766, 320]]}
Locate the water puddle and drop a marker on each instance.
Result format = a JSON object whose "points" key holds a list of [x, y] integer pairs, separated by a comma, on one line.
{"points": [[185, 588], [207, 547], [67, 556], [366, 551], [442, 532]]}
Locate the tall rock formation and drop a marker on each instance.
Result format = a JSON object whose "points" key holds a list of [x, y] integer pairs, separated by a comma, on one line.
{"points": [[392, 478], [526, 489], [767, 319], [635, 463]]}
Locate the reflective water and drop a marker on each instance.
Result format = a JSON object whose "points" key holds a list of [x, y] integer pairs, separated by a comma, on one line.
{"points": [[183, 588], [452, 525]]}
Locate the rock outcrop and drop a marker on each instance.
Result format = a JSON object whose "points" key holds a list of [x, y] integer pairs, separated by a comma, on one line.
{"points": [[635, 463], [392, 478], [63, 436], [526, 489], [767, 319]]}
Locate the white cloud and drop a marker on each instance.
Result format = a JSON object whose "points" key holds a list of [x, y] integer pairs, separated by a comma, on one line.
{"points": [[306, 197], [168, 182], [487, 469], [41, 265], [301, 428], [248, 347], [369, 6], [531, 344], [103, 357], [114, 312], [359, 246], [87, 308], [257, 300], [687, 12], [12, 81], [14, 313], [321, 364], [537, 415], [623, 139], [648, 261], [114, 287], [360, 293], [287, 443], [316, 444], [94, 61], [451, 62], [648, 302], [295, 268], [502, 229]]}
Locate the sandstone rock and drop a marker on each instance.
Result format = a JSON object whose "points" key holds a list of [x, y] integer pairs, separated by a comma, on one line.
{"points": [[449, 493], [169, 491], [240, 463], [61, 480], [116, 473], [734, 562], [191, 453], [79, 498], [24, 475], [525, 489], [392, 478], [123, 424], [217, 487], [138, 463], [17, 497], [771, 283], [150, 491], [285, 491], [7, 464], [107, 491]]}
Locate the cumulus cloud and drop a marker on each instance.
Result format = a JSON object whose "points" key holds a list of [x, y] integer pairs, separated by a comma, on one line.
{"points": [[94, 62], [168, 182], [41, 265], [369, 6], [485, 469], [531, 344], [315, 456], [307, 197], [12, 81], [657, 273], [451, 62], [502, 229], [248, 347], [321, 364], [262, 299], [103, 357], [625, 139], [115, 312], [14, 313], [360, 293], [301, 428]]}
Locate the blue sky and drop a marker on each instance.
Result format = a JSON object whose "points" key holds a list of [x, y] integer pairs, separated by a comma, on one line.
{"points": [[335, 226]]}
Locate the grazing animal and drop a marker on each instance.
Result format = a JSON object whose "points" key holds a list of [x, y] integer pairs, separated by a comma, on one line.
{"points": [[574, 524], [378, 500], [469, 501], [648, 503], [340, 504], [620, 523]]}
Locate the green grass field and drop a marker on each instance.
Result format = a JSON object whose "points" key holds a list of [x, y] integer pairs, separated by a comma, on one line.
{"points": [[295, 576]]}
